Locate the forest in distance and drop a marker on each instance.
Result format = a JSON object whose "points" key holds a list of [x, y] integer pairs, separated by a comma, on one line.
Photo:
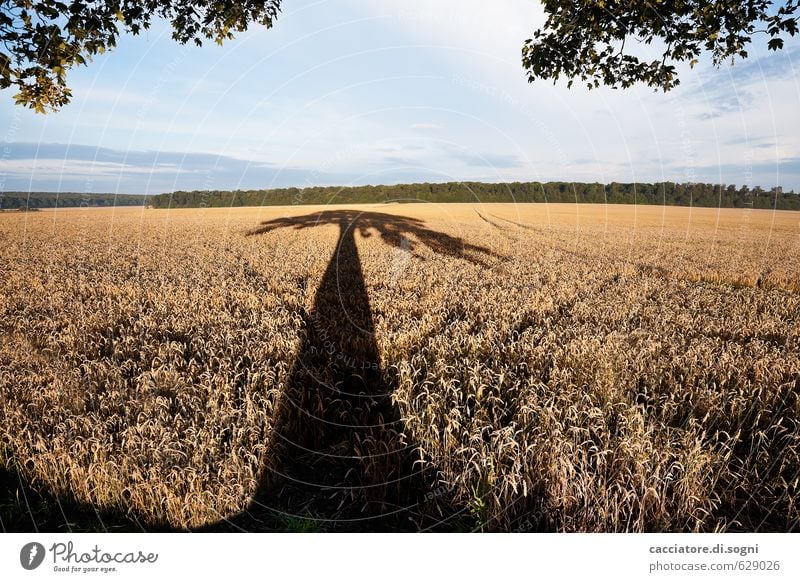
{"points": [[36, 200], [660, 193]]}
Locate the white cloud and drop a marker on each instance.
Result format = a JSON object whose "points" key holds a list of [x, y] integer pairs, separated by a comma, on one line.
{"points": [[482, 38], [48, 168], [426, 126]]}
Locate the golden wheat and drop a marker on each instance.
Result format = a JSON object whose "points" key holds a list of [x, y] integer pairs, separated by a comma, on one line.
{"points": [[573, 368]]}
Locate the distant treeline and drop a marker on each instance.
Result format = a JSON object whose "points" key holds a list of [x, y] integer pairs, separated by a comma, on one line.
{"points": [[662, 193], [23, 200]]}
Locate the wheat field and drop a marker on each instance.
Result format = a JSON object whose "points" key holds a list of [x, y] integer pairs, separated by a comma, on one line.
{"points": [[453, 367]]}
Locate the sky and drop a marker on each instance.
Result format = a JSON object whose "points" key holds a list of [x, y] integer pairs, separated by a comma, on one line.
{"points": [[351, 92]]}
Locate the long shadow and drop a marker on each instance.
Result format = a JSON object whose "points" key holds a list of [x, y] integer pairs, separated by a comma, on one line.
{"points": [[343, 459]]}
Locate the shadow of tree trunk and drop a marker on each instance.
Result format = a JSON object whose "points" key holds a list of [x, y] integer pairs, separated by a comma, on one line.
{"points": [[343, 461]]}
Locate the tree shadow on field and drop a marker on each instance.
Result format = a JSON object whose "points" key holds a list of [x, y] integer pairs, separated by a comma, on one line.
{"points": [[343, 461]]}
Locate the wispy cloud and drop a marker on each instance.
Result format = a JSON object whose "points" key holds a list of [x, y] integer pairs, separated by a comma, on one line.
{"points": [[789, 166], [483, 159], [427, 126], [734, 88], [63, 167], [82, 168], [396, 161], [761, 142]]}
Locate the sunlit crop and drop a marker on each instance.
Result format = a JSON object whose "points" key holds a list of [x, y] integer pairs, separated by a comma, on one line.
{"points": [[537, 367]]}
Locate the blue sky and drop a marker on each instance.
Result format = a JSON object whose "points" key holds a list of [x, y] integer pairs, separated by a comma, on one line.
{"points": [[382, 91]]}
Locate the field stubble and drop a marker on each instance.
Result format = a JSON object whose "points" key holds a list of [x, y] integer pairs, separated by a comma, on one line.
{"points": [[592, 368]]}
